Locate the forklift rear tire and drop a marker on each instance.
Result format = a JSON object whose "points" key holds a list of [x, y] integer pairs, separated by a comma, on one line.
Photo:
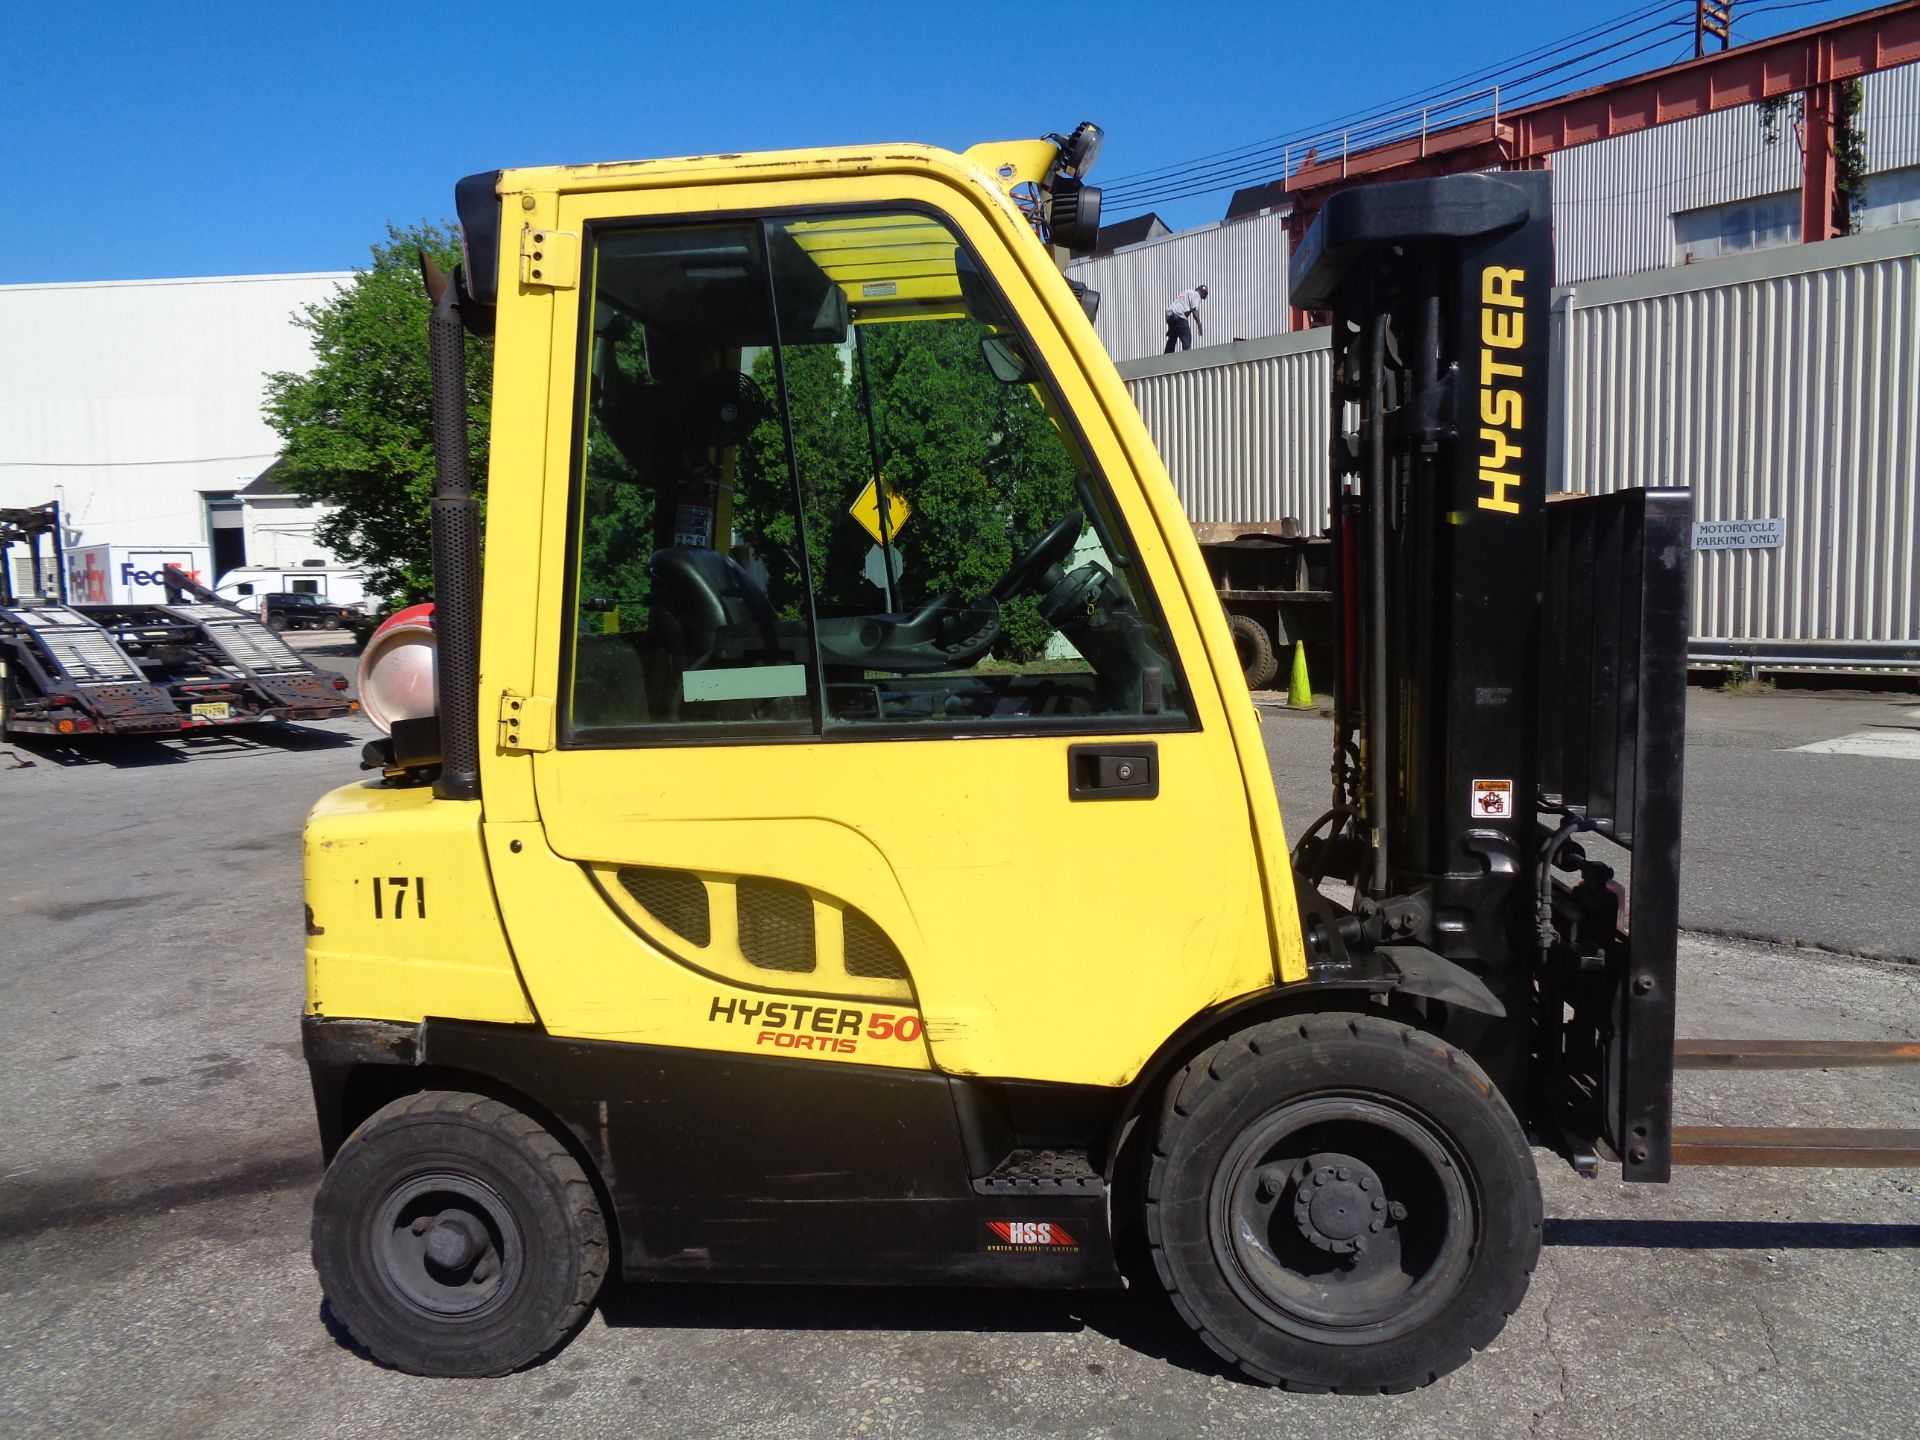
{"points": [[1341, 1202], [455, 1236], [1254, 646]]}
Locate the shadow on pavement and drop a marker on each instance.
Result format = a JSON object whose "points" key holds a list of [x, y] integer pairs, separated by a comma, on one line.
{"points": [[1731, 1235], [1142, 1319], [1143, 1322], [132, 752]]}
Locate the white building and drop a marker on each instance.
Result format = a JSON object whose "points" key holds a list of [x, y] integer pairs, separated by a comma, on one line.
{"points": [[138, 406]]}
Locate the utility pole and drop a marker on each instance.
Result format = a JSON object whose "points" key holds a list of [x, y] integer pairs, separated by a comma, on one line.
{"points": [[1715, 18]]}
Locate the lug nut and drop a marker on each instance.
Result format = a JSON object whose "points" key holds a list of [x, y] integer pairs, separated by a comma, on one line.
{"points": [[1397, 1211]]}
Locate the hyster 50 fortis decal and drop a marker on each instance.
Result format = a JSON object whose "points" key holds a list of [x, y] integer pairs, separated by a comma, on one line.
{"points": [[804, 1025]]}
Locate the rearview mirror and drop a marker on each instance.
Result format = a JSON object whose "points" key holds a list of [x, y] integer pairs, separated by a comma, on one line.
{"points": [[1007, 358]]}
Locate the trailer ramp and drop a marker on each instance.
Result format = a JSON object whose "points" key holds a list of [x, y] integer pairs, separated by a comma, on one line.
{"points": [[69, 664], [291, 686]]}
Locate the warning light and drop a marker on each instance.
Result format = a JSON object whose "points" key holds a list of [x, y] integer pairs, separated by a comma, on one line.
{"points": [[66, 727]]}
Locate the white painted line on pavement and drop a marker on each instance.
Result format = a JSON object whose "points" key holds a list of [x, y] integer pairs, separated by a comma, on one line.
{"points": [[1889, 744]]}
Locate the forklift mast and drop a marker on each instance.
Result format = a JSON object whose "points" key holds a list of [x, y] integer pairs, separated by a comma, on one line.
{"points": [[1491, 705]]}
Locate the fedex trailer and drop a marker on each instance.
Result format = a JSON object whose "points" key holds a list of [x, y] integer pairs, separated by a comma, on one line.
{"points": [[131, 574]]}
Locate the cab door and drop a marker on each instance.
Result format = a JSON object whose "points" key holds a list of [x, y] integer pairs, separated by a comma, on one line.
{"points": [[883, 733]]}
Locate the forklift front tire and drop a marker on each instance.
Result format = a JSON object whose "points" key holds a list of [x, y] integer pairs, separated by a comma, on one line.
{"points": [[454, 1236], [1341, 1202]]}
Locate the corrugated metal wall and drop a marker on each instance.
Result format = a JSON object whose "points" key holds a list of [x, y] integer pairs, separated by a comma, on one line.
{"points": [[1782, 384], [1243, 428], [1614, 200], [1890, 114], [1243, 264]]}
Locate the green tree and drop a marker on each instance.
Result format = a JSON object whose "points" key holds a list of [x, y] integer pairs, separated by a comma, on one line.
{"points": [[356, 431], [979, 461]]}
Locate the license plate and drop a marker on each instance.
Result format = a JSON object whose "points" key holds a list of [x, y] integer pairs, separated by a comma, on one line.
{"points": [[213, 710]]}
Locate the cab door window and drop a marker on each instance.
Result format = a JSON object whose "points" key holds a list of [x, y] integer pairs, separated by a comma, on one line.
{"points": [[967, 567], [822, 487]]}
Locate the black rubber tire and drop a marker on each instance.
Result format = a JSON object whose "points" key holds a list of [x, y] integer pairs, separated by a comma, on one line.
{"points": [[552, 1262], [1255, 648], [1244, 1085], [279, 623]]}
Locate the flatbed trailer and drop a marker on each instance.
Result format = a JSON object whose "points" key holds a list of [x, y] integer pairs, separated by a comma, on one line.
{"points": [[142, 669], [61, 674], [222, 666]]}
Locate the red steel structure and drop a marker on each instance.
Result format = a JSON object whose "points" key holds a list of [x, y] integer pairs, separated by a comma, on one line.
{"points": [[1811, 62]]}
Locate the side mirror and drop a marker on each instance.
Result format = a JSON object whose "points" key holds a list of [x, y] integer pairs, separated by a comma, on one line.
{"points": [[1006, 356]]}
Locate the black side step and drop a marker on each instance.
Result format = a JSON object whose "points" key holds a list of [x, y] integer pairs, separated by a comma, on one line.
{"points": [[1042, 1172]]}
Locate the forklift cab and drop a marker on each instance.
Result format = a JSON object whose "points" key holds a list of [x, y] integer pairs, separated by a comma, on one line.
{"points": [[861, 672]]}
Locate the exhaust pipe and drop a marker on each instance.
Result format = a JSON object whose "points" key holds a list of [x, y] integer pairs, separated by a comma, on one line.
{"points": [[456, 547]]}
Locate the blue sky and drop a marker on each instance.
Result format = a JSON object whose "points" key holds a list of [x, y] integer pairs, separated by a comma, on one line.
{"points": [[146, 139]]}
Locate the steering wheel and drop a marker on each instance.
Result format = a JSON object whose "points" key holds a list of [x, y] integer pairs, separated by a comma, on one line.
{"points": [[1046, 552]]}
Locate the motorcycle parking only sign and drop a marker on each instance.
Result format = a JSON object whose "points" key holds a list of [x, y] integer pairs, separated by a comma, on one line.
{"points": [[1739, 534]]}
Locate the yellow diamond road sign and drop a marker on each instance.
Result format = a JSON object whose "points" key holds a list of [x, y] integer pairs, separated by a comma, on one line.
{"points": [[867, 511]]}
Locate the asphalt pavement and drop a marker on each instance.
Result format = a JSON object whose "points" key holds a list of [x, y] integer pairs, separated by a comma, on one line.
{"points": [[159, 1160], [1802, 815]]}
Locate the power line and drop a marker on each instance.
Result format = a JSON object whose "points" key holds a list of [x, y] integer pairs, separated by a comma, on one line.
{"points": [[1222, 177], [1137, 179], [1128, 189], [1246, 165]]}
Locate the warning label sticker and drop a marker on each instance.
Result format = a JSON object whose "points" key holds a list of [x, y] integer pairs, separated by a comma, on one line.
{"points": [[1492, 799]]}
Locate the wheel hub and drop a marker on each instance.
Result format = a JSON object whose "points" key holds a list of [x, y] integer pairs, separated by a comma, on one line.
{"points": [[453, 1242], [1341, 1216], [1338, 1202], [447, 1244]]}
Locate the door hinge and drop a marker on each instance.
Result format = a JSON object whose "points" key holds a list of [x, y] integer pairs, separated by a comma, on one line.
{"points": [[526, 722], [549, 259]]}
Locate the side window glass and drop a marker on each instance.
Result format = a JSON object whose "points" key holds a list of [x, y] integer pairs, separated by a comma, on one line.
{"points": [[966, 564], [674, 622], [821, 485]]}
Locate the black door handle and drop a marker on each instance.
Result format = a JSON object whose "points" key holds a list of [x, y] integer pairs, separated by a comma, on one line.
{"points": [[1113, 772]]}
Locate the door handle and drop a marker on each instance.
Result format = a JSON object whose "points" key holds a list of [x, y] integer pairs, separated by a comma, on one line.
{"points": [[1113, 772]]}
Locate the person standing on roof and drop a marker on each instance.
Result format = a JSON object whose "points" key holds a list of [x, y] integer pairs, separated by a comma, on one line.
{"points": [[1183, 308]]}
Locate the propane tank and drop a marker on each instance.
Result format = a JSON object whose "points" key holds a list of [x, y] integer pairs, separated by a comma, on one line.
{"points": [[397, 680]]}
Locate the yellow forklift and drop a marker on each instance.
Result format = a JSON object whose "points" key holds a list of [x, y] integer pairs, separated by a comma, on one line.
{"points": [[843, 848]]}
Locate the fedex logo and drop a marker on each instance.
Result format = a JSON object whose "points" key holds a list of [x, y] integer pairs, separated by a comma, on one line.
{"points": [[131, 574], [1028, 1235]]}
